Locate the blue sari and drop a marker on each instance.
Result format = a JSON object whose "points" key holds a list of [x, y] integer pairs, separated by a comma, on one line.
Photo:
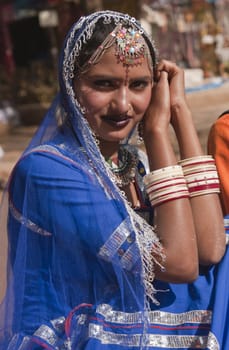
{"points": [[76, 302]]}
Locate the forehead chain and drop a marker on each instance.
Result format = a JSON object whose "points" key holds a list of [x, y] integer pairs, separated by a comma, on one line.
{"points": [[130, 46]]}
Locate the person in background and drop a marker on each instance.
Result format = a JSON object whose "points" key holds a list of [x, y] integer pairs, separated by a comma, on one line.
{"points": [[218, 139], [109, 247]]}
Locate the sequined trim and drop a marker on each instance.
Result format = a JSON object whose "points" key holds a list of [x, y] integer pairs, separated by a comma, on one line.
{"points": [[227, 239], [46, 333], [113, 247], [15, 340], [130, 257], [100, 332], [159, 317], [226, 222], [27, 222], [44, 148], [107, 327], [226, 226], [52, 336], [24, 344], [119, 250], [58, 324], [154, 340], [110, 248], [48, 149], [56, 151], [15, 213]]}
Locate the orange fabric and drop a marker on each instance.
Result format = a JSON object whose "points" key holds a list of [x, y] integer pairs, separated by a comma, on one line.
{"points": [[218, 147]]}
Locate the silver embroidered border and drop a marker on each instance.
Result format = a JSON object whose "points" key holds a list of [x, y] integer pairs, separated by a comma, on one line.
{"points": [[96, 331], [115, 241], [27, 222], [154, 340], [226, 224], [159, 317], [15, 213]]}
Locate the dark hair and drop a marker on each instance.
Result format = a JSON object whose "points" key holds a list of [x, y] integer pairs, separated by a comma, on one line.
{"points": [[98, 36]]}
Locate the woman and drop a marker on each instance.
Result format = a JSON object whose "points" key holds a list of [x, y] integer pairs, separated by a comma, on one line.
{"points": [[88, 229]]}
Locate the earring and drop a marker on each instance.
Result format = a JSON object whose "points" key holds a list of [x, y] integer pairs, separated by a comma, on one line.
{"points": [[140, 133]]}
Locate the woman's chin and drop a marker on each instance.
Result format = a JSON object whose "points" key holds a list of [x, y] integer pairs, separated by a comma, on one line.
{"points": [[113, 138], [115, 135]]}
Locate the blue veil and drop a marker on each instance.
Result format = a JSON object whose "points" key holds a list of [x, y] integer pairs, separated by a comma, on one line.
{"points": [[79, 266]]}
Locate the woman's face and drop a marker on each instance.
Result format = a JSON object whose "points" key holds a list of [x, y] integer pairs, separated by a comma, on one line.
{"points": [[115, 97]]}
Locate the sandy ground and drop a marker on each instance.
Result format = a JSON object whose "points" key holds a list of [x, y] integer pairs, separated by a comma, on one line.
{"points": [[206, 105]]}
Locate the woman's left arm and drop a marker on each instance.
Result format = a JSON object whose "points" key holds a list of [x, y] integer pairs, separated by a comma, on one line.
{"points": [[206, 208]]}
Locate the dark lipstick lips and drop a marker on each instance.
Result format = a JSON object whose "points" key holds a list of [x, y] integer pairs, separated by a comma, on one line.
{"points": [[117, 120]]}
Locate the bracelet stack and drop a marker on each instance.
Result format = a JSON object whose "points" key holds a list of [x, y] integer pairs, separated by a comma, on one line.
{"points": [[201, 175], [166, 184], [192, 177]]}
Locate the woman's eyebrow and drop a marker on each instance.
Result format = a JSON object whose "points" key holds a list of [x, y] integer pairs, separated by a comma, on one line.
{"points": [[102, 76], [144, 77], [115, 78]]}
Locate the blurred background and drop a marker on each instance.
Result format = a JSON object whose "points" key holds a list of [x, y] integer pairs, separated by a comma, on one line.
{"points": [[194, 33]]}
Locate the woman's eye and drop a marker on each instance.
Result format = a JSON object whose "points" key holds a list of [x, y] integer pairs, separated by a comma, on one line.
{"points": [[139, 84], [103, 84]]}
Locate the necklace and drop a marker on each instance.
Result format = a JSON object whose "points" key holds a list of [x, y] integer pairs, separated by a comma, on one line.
{"points": [[125, 170]]}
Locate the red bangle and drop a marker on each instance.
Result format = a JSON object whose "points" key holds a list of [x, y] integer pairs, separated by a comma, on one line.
{"points": [[203, 187]]}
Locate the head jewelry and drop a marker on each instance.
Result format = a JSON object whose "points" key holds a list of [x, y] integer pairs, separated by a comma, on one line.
{"points": [[82, 32], [130, 47]]}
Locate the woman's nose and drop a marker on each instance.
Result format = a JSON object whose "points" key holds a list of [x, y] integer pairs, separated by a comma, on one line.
{"points": [[121, 101]]}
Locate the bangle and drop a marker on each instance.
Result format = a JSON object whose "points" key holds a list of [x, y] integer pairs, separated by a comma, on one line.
{"points": [[201, 175], [169, 172], [166, 184], [196, 160], [169, 198]]}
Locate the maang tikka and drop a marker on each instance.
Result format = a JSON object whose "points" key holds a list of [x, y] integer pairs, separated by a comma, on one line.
{"points": [[130, 47]]}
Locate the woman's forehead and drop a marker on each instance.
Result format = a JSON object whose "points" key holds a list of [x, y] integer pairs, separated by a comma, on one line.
{"points": [[110, 65]]}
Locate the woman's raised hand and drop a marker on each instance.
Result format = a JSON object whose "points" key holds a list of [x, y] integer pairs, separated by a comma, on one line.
{"points": [[175, 79], [168, 94], [178, 103], [158, 112]]}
